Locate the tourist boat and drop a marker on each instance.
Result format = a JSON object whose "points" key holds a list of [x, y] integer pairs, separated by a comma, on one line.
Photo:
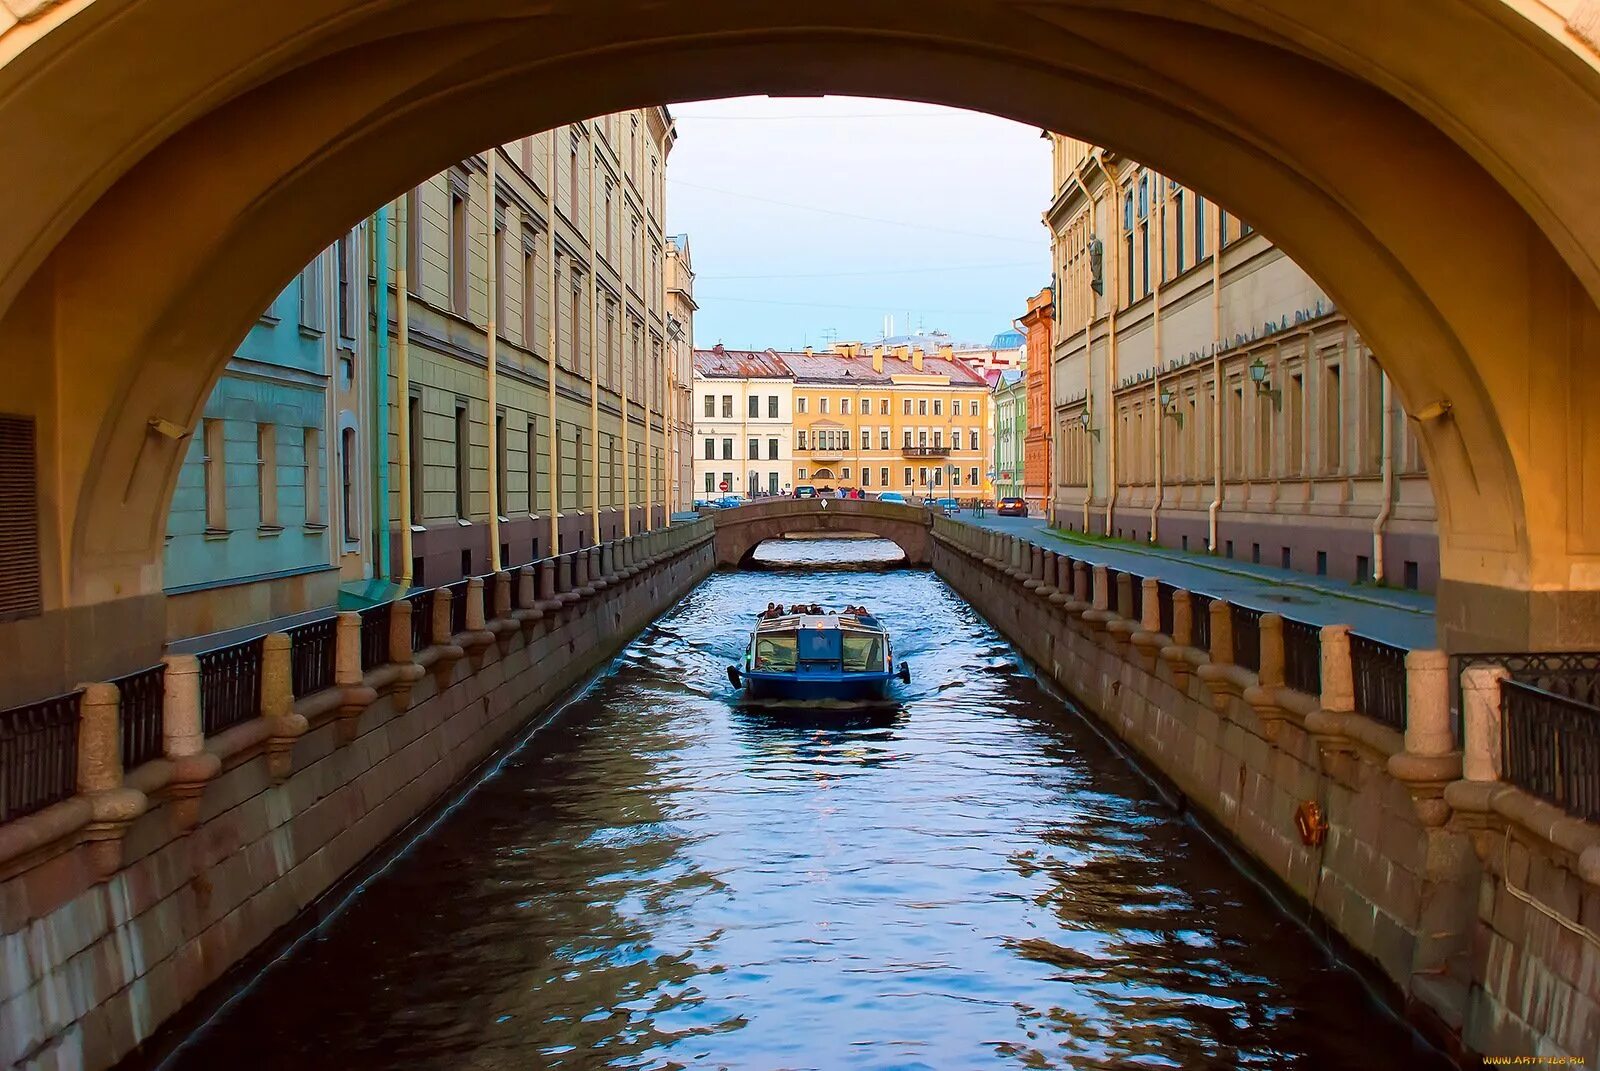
{"points": [[809, 655]]}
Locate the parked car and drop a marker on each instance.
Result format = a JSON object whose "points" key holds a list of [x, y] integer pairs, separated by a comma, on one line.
{"points": [[705, 503], [1011, 507], [805, 490], [949, 506], [892, 496], [728, 502]]}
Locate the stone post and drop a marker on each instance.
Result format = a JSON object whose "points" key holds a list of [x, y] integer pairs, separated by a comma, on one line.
{"points": [[284, 726], [608, 562], [1270, 675], [547, 582], [1064, 574], [526, 597], [1221, 632], [1430, 761], [1182, 618], [1480, 708], [111, 807], [1033, 578], [1152, 605], [400, 631], [183, 741], [475, 621], [599, 577], [580, 573], [1080, 582], [502, 595], [1124, 607], [566, 579], [440, 632], [1102, 588], [347, 649], [1047, 574], [1338, 677]]}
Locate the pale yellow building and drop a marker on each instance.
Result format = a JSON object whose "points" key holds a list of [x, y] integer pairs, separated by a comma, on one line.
{"points": [[577, 252], [1207, 393]]}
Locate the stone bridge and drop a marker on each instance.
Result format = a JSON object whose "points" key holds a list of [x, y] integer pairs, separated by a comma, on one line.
{"points": [[744, 528]]}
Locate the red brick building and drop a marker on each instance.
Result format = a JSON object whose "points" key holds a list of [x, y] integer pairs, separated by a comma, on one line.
{"points": [[1037, 321]]}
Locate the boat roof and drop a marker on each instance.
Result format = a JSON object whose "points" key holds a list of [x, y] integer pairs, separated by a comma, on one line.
{"points": [[817, 621]]}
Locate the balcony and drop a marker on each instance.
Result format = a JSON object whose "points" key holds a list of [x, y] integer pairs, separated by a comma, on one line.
{"points": [[819, 448], [925, 451]]}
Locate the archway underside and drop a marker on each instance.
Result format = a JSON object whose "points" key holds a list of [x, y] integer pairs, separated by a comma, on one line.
{"points": [[168, 165]]}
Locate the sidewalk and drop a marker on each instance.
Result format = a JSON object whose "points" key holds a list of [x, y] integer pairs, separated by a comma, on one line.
{"points": [[1399, 617]]}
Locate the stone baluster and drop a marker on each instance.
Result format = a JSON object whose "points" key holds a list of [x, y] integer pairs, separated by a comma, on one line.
{"points": [[440, 633], [1221, 632], [599, 578], [1124, 590], [527, 595], [580, 574], [1178, 654], [1080, 583], [1047, 574], [547, 586], [347, 649], [608, 562], [284, 726], [112, 808], [1102, 588], [1034, 568], [1270, 675], [1480, 707], [1328, 723], [475, 616], [183, 741], [1151, 621], [400, 631], [502, 595], [1063, 581], [1431, 760]]}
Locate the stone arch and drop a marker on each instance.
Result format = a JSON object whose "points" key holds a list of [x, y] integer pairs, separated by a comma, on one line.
{"points": [[149, 218], [740, 531]]}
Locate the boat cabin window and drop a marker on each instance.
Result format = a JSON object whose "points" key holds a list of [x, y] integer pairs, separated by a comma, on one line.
{"points": [[863, 652], [775, 653], [819, 645]]}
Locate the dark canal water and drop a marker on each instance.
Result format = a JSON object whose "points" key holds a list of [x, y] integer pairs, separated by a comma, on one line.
{"points": [[658, 880]]}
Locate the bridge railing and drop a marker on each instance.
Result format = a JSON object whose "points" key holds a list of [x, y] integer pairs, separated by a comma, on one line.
{"points": [[169, 710]]}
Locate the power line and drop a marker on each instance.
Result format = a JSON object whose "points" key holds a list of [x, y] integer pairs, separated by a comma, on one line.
{"points": [[883, 271], [851, 215]]}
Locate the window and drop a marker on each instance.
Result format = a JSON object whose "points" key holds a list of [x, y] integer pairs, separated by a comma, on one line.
{"points": [[802, 475], [755, 449], [800, 404], [907, 434], [844, 406], [955, 477], [501, 469], [214, 463], [572, 181], [866, 439], [463, 466], [755, 407], [883, 476], [1294, 445], [972, 407], [458, 251], [345, 312], [727, 407], [267, 475], [727, 479], [1332, 421], [311, 297], [413, 239], [710, 484], [938, 437], [883, 407], [844, 473], [772, 449], [801, 439], [906, 404], [772, 406], [414, 407], [922, 407], [938, 407], [972, 476], [1127, 240], [727, 449], [883, 439], [347, 484], [530, 290], [498, 241], [576, 321], [1199, 228], [822, 405], [907, 480], [311, 474], [711, 449], [772, 483]]}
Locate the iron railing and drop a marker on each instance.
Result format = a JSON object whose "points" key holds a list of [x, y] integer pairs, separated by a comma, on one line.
{"points": [[1246, 636], [1134, 611], [375, 636], [230, 686], [458, 606], [38, 755], [1378, 671], [311, 655], [1164, 593], [421, 620], [516, 592], [1302, 656], [1200, 620], [1550, 746], [1574, 674], [143, 698]]}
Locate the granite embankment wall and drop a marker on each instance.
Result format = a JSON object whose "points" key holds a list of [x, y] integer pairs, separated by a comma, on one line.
{"points": [[110, 927], [1471, 901]]}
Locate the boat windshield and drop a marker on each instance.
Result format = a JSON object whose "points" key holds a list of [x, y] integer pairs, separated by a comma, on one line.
{"points": [[863, 652], [775, 653]]}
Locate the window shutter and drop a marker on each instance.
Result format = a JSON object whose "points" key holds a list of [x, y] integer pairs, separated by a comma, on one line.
{"points": [[19, 519]]}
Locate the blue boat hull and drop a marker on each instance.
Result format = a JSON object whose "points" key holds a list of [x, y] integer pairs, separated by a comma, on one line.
{"points": [[817, 687]]}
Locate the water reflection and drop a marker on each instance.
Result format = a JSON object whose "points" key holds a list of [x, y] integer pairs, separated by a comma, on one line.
{"points": [[663, 881]]}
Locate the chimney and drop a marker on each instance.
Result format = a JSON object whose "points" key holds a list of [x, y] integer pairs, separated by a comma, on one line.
{"points": [[916, 358], [877, 359], [947, 351], [902, 352], [808, 351]]}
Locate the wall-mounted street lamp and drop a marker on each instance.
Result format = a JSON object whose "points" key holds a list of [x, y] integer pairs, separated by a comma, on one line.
{"points": [[1258, 376], [1169, 405], [1083, 422]]}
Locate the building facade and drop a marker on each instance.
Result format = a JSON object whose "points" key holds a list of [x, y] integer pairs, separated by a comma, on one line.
{"points": [[743, 424], [1039, 324], [564, 252], [1209, 395], [1010, 408], [680, 373]]}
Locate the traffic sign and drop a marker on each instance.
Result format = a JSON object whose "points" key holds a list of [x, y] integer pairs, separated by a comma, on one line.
{"points": [[723, 486]]}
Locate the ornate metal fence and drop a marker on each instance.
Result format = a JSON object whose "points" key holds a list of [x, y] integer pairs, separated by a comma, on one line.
{"points": [[1550, 746], [1134, 611], [375, 636], [38, 755], [1246, 636], [311, 655], [1302, 656], [230, 686], [458, 606], [1379, 674], [1200, 615], [144, 696], [421, 619], [1164, 593]]}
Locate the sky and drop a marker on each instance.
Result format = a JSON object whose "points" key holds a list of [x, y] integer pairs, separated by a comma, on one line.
{"points": [[812, 219]]}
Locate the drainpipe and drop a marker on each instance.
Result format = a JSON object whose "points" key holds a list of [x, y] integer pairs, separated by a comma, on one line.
{"points": [[1160, 413], [491, 360], [1216, 376], [380, 389], [594, 377], [402, 384], [550, 344], [1088, 353], [1108, 430], [1386, 447]]}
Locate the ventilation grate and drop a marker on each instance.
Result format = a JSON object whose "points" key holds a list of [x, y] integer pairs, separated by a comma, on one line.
{"points": [[19, 519]]}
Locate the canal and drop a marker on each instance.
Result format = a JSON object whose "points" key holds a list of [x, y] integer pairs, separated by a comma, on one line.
{"points": [[659, 880]]}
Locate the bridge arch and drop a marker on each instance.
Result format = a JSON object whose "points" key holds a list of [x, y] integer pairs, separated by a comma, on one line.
{"points": [[169, 163], [741, 530]]}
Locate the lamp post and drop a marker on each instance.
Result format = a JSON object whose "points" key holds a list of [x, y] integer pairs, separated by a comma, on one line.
{"points": [[1169, 405], [1258, 376], [1084, 419]]}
